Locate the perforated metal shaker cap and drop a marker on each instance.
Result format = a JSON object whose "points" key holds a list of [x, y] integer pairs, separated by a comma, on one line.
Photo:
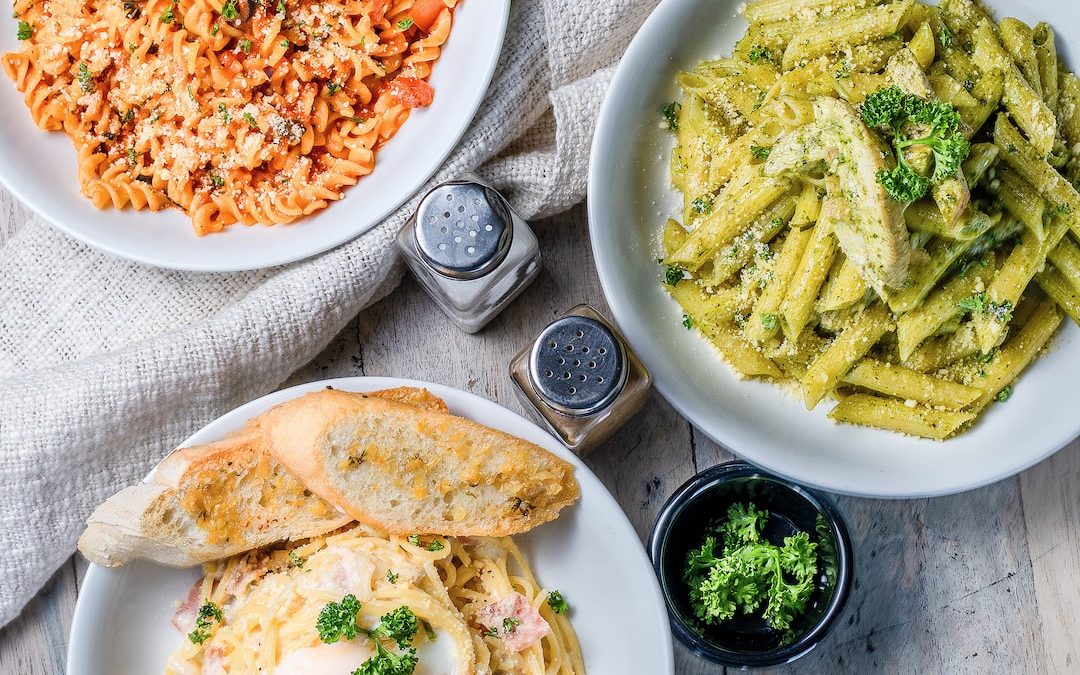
{"points": [[578, 366], [463, 229]]}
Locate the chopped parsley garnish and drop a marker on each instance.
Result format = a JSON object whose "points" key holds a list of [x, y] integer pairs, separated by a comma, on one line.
{"points": [[250, 119], [702, 205], [769, 321], [760, 151], [671, 115], [945, 37], [557, 603], [284, 43], [405, 24], [673, 274], [25, 31], [736, 569], [333, 88], [510, 624], [338, 620], [223, 112], [433, 545], [296, 561], [890, 110], [281, 8], [391, 576], [217, 180], [132, 156], [214, 30], [245, 45], [1004, 394], [980, 303], [491, 632], [168, 15], [86, 78], [687, 321], [399, 625], [208, 613], [758, 53], [976, 304], [229, 11], [127, 116]]}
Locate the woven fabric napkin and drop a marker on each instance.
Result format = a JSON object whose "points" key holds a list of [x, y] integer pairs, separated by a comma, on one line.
{"points": [[106, 365]]}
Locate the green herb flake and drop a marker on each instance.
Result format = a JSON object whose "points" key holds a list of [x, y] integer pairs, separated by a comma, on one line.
{"points": [[405, 24], [702, 205], [769, 321], [945, 37], [976, 304], [391, 576], [250, 119], [86, 78], [25, 31], [1004, 394], [245, 46], [760, 152], [758, 53], [223, 113], [204, 620], [167, 16], [332, 88], [281, 8], [673, 274], [671, 115], [510, 624], [687, 321], [132, 156], [557, 602], [214, 30], [230, 11], [296, 561]]}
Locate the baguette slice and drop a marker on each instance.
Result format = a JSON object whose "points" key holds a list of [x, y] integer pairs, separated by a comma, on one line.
{"points": [[215, 500], [408, 471]]}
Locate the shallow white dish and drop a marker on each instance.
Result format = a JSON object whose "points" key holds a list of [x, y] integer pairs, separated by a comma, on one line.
{"points": [[591, 554], [629, 198], [39, 168]]}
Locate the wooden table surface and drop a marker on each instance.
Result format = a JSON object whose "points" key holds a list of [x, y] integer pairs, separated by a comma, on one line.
{"points": [[983, 582]]}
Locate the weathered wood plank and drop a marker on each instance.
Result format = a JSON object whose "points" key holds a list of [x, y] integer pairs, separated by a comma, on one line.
{"points": [[1051, 494]]}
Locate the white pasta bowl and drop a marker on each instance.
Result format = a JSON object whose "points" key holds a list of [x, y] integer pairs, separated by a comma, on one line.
{"points": [[39, 168], [630, 196]]}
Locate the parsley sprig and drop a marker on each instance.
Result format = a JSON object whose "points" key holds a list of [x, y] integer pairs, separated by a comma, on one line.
{"points": [[894, 113], [736, 569], [204, 621]]}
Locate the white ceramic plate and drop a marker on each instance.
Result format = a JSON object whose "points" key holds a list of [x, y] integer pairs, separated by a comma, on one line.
{"points": [[591, 553], [39, 169], [629, 199]]}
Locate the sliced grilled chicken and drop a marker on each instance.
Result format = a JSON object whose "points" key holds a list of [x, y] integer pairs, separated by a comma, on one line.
{"points": [[873, 236]]}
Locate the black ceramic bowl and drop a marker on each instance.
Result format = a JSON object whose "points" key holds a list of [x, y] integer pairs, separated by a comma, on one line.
{"points": [[748, 641]]}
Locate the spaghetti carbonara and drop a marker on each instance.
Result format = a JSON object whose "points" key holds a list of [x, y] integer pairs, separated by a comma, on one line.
{"points": [[473, 603], [236, 111]]}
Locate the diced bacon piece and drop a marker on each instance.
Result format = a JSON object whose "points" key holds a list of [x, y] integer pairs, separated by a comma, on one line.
{"points": [[188, 610], [525, 628], [412, 92]]}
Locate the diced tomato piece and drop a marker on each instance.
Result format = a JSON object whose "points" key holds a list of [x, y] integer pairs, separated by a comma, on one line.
{"points": [[425, 12], [412, 92]]}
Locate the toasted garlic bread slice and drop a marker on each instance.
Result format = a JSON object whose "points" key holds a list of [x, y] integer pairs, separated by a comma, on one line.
{"points": [[404, 471], [215, 500]]}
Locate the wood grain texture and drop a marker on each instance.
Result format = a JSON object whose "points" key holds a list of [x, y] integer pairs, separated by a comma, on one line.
{"points": [[983, 582]]}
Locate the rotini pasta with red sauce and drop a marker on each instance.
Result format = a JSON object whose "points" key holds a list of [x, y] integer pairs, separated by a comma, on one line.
{"points": [[235, 111]]}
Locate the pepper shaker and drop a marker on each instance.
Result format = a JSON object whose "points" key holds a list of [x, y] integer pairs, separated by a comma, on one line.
{"points": [[469, 250], [582, 378]]}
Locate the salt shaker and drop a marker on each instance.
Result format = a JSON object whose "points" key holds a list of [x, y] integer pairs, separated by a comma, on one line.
{"points": [[469, 250], [582, 378]]}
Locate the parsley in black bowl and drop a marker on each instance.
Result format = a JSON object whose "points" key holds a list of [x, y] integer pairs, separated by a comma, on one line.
{"points": [[754, 568]]}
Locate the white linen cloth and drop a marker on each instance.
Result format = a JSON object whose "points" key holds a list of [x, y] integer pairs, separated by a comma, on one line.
{"points": [[105, 365]]}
